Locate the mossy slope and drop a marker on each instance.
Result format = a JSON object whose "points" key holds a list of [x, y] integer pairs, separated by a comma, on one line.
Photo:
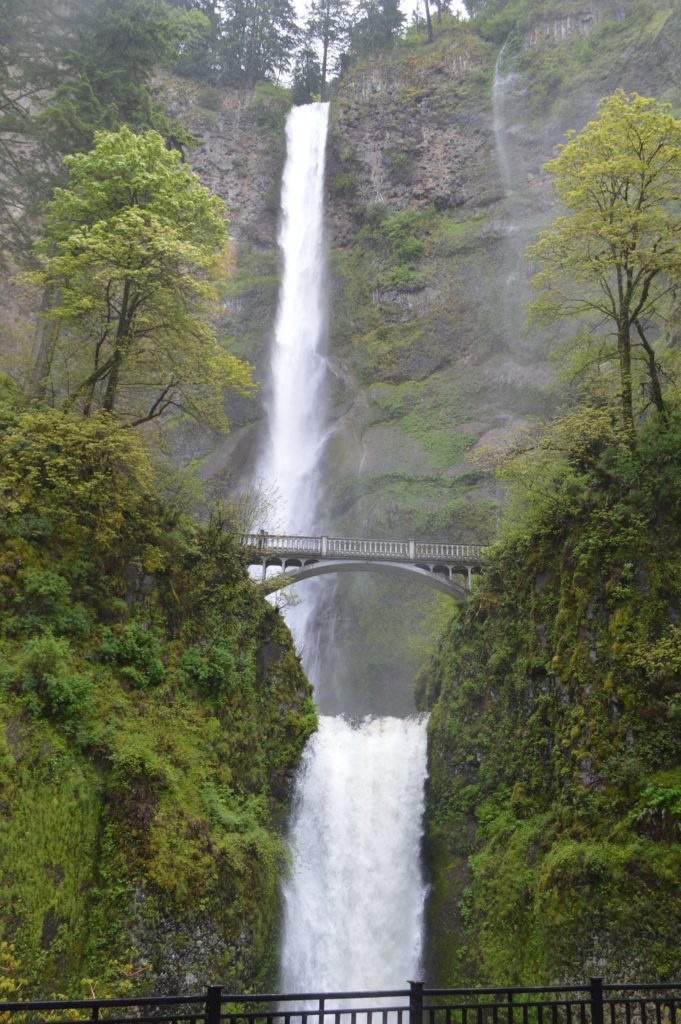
{"points": [[554, 799], [152, 710]]}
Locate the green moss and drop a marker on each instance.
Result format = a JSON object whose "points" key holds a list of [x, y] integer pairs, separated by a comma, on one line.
{"points": [[553, 809], [270, 105], [152, 710]]}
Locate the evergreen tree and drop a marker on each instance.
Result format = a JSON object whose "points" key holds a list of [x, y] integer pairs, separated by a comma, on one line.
{"points": [[121, 44], [328, 25], [377, 24], [260, 38], [307, 73]]}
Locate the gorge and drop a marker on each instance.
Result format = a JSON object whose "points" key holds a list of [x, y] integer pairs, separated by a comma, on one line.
{"points": [[160, 744]]}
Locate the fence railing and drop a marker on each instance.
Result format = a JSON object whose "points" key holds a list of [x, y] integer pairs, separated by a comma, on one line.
{"points": [[595, 1003]]}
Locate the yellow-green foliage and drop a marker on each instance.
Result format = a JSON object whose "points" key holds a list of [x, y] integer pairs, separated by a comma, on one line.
{"points": [[554, 813], [130, 253], [151, 711]]}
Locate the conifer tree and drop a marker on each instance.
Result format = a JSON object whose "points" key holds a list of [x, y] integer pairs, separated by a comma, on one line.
{"points": [[328, 25], [376, 26], [258, 40]]}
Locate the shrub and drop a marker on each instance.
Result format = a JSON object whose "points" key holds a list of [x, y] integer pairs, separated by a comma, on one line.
{"points": [[49, 682], [135, 649], [211, 668]]}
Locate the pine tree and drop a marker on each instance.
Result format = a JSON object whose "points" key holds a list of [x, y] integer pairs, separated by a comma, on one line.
{"points": [[377, 24], [328, 25]]}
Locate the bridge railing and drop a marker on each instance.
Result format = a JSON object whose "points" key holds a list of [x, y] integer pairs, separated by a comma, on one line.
{"points": [[595, 1003], [449, 552], [355, 547]]}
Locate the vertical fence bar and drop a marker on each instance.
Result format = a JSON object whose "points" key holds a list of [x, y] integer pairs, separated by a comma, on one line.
{"points": [[415, 1002], [213, 1004], [596, 1000]]}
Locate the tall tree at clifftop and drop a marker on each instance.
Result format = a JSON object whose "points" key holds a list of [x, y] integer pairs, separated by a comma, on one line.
{"points": [[613, 260], [257, 41], [130, 249], [328, 25], [377, 24]]}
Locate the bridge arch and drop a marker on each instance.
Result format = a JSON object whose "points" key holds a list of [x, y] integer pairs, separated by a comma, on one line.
{"points": [[437, 580]]}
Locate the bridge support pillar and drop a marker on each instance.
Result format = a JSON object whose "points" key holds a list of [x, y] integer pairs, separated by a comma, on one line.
{"points": [[469, 574]]}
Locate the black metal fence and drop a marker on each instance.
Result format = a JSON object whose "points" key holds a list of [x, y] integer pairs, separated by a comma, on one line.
{"points": [[595, 1003]]}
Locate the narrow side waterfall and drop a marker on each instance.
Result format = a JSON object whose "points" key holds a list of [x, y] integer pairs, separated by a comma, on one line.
{"points": [[501, 85], [354, 901], [506, 87]]}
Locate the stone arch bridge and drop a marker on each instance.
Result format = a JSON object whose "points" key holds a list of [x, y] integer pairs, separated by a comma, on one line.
{"points": [[446, 567]]}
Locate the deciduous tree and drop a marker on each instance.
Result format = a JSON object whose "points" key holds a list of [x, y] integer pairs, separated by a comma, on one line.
{"points": [[613, 259], [131, 247]]}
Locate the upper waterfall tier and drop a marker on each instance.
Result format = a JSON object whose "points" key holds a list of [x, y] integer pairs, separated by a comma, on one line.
{"points": [[296, 421]]}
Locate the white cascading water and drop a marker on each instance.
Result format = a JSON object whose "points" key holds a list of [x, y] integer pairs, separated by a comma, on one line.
{"points": [[505, 89], [296, 410], [502, 85], [353, 908], [354, 900]]}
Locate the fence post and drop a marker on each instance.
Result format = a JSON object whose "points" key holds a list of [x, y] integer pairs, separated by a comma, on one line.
{"points": [[596, 1000], [415, 1002], [213, 1004]]}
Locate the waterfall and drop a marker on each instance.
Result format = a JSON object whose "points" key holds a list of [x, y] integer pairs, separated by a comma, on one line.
{"points": [[290, 461], [502, 85], [353, 903], [353, 907], [506, 87]]}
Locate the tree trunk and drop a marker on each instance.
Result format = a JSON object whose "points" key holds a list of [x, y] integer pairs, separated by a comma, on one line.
{"points": [[653, 373], [325, 53], [47, 333], [429, 22], [624, 353], [120, 344]]}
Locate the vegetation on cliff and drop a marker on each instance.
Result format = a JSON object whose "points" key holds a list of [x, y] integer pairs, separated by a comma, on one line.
{"points": [[555, 757], [555, 789], [152, 706], [153, 709]]}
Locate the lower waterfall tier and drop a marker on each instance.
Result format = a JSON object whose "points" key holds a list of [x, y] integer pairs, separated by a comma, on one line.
{"points": [[354, 903]]}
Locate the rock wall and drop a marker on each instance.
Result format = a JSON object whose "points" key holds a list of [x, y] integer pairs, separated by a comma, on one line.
{"points": [[434, 190]]}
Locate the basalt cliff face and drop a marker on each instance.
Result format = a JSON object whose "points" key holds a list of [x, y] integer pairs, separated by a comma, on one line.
{"points": [[435, 188]]}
